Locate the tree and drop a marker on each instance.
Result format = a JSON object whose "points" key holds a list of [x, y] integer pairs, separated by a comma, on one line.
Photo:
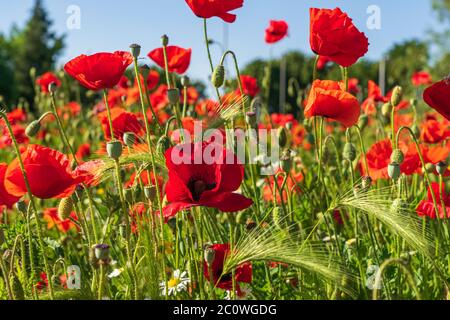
{"points": [[37, 46], [6, 70]]}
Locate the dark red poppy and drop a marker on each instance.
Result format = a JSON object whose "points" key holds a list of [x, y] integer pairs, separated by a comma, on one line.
{"points": [[328, 99], [215, 8], [122, 122], [243, 273], [437, 97], [249, 85], [211, 183], [99, 71], [46, 79], [6, 199], [421, 78], [334, 35], [48, 172], [15, 116], [426, 207], [178, 59], [124, 82], [277, 30]]}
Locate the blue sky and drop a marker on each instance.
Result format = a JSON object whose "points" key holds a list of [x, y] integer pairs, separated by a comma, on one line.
{"points": [[108, 25]]}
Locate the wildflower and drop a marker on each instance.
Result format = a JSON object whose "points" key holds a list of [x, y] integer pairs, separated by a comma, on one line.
{"points": [[215, 8], [54, 220], [276, 31], [6, 199], [436, 96], [46, 79], [327, 99], [152, 79], [83, 151], [122, 122], [99, 71], [210, 185], [19, 133], [421, 78], [426, 207], [433, 131], [334, 35], [192, 95], [249, 86], [178, 59], [178, 283], [48, 172]]}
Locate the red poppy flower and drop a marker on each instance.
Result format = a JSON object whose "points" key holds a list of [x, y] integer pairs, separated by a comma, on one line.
{"points": [[152, 79], [434, 154], [137, 215], [209, 184], [334, 35], [178, 59], [322, 62], [433, 131], [249, 85], [353, 86], [123, 82], [421, 78], [89, 172], [328, 99], [122, 122], [83, 151], [291, 182], [276, 31], [19, 134], [437, 97], [48, 172], [206, 107], [215, 8], [15, 116], [192, 95], [243, 273], [426, 207], [281, 120], [54, 220], [46, 79], [159, 99], [6, 199], [99, 71]]}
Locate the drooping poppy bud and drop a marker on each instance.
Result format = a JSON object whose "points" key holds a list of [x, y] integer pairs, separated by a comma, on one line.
{"points": [[102, 252], [218, 76], [397, 95], [21, 206], [349, 152], [210, 255], [65, 208], [163, 144], [129, 138], [185, 81], [173, 96], [441, 168], [282, 137], [33, 128], [386, 110], [16, 287], [165, 40]]}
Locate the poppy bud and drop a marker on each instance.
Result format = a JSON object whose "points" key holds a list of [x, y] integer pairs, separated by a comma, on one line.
{"points": [[174, 96], [386, 110], [16, 287], [114, 149], [165, 40], [128, 193], [21, 206], [363, 121], [65, 208], [441, 168], [282, 137], [163, 144], [413, 102], [135, 50], [366, 182], [218, 76], [397, 156], [129, 138], [144, 68], [33, 128], [286, 161], [255, 104], [92, 259], [150, 192], [52, 87], [349, 151], [394, 171], [397, 95], [250, 118], [210, 255], [101, 252], [185, 81]]}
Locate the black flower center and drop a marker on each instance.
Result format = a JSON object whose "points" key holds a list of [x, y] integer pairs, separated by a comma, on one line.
{"points": [[197, 187]]}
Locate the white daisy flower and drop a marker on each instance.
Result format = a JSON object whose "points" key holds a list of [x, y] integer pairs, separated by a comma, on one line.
{"points": [[115, 273], [177, 283]]}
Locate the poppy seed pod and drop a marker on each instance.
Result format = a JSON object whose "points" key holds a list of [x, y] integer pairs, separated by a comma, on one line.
{"points": [[174, 96], [394, 171], [114, 149], [250, 118], [65, 208], [163, 144], [165, 40], [135, 50], [16, 287], [33, 128], [386, 109], [185, 81], [349, 152], [129, 138], [397, 156], [397, 95], [218, 76], [282, 137], [441, 168], [21, 206], [102, 252], [210, 255]]}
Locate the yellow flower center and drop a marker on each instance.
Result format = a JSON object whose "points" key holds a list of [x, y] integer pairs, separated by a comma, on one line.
{"points": [[173, 283]]}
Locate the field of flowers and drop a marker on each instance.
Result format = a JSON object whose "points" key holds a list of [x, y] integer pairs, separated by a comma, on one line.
{"points": [[124, 184]]}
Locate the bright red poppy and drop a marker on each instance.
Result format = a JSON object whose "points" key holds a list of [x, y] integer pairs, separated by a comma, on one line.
{"points": [[48, 172], [152, 79], [426, 207], [206, 107], [19, 134], [15, 116], [99, 71], [6, 199], [46, 79], [328, 99], [159, 99], [122, 122], [334, 35], [211, 183], [293, 180], [421, 78], [83, 151], [54, 220], [437, 97], [249, 85], [215, 8], [243, 273], [277, 31], [178, 59]]}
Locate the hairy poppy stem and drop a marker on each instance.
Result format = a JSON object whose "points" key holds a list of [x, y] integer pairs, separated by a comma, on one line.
{"points": [[208, 50], [108, 112]]}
